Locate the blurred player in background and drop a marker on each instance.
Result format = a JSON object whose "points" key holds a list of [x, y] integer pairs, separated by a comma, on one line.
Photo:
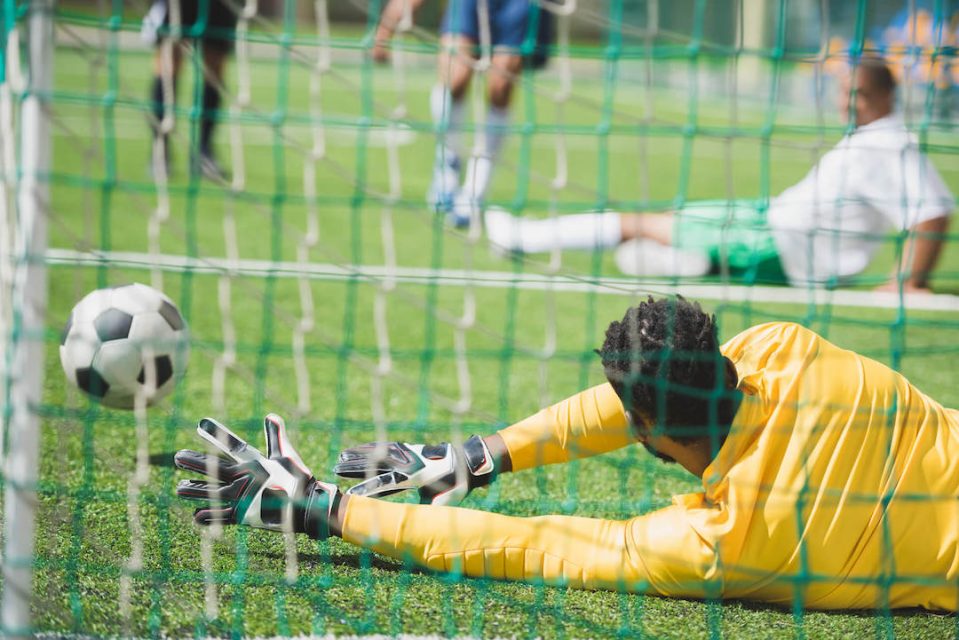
{"points": [[823, 230], [520, 32], [828, 480], [216, 43]]}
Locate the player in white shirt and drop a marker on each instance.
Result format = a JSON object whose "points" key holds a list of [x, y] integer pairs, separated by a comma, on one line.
{"points": [[823, 230]]}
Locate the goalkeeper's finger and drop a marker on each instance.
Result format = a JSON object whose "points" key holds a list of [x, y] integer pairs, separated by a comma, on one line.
{"points": [[372, 458], [385, 484], [278, 444], [212, 491], [208, 516], [226, 441], [213, 466]]}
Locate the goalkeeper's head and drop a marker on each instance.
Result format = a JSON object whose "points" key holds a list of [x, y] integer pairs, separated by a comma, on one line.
{"points": [[678, 389]]}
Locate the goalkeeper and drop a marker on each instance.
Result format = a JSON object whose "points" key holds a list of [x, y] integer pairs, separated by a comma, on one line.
{"points": [[829, 480]]}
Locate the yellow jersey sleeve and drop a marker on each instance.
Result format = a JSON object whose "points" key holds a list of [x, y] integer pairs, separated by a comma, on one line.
{"points": [[586, 424], [654, 553]]}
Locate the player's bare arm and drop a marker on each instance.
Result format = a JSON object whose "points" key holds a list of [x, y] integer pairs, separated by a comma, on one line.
{"points": [[919, 256], [394, 14]]}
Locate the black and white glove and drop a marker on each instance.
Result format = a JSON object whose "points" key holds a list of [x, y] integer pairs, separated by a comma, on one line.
{"points": [[442, 473], [277, 492]]}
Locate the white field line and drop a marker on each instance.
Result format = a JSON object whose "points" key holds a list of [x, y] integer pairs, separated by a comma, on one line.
{"points": [[628, 287]]}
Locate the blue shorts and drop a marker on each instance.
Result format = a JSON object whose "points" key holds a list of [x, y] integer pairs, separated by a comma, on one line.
{"points": [[517, 26]]}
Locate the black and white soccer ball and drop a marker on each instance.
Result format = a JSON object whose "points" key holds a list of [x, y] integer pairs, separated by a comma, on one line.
{"points": [[124, 341]]}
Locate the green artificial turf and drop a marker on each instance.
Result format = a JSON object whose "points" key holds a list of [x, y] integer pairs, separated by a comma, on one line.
{"points": [[102, 199]]}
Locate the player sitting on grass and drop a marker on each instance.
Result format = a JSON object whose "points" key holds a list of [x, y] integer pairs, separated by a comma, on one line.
{"points": [[519, 33], [829, 481], [822, 230]]}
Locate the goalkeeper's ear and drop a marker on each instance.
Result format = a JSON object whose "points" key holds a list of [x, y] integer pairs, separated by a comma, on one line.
{"points": [[278, 443]]}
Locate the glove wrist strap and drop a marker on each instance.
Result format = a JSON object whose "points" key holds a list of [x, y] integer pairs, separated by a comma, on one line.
{"points": [[320, 503], [479, 461]]}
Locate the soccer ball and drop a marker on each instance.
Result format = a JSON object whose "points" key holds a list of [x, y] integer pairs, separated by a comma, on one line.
{"points": [[123, 342]]}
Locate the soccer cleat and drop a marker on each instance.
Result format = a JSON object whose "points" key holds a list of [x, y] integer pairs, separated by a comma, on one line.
{"points": [[446, 177], [205, 166], [463, 210]]}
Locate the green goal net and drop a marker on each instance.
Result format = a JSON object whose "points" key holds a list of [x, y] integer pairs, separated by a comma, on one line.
{"points": [[318, 284]]}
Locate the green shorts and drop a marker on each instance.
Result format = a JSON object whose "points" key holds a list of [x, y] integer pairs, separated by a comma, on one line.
{"points": [[734, 233]]}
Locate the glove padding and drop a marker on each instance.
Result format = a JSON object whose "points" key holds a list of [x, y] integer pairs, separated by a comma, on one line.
{"points": [[442, 473], [277, 492]]}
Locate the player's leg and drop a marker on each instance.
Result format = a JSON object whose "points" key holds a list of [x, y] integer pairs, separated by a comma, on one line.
{"points": [[217, 43], [448, 98], [448, 108], [649, 248], [514, 29], [727, 235], [504, 71], [645, 240], [584, 231], [214, 65], [167, 59]]}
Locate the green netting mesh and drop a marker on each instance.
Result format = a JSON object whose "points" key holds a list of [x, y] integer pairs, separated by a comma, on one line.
{"points": [[319, 285]]}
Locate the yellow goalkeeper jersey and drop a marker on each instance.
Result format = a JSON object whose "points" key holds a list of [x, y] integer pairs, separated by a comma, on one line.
{"points": [[837, 487]]}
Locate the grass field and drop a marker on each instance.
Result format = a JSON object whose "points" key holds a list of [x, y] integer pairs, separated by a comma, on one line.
{"points": [[102, 199]]}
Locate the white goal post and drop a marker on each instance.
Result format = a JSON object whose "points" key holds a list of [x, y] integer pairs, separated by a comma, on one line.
{"points": [[26, 201]]}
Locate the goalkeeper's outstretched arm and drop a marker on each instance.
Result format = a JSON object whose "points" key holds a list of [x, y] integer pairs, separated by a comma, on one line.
{"points": [[658, 552], [655, 553], [588, 423]]}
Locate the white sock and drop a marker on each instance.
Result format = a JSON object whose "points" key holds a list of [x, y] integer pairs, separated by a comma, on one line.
{"points": [[447, 115], [644, 257], [597, 230], [480, 167]]}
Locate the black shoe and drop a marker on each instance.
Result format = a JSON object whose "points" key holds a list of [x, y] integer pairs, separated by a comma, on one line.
{"points": [[205, 166]]}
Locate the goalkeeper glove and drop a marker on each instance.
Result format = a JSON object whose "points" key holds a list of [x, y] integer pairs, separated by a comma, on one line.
{"points": [[442, 473], [277, 492]]}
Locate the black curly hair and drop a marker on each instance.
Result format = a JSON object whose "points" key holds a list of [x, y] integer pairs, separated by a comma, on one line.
{"points": [[664, 362]]}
